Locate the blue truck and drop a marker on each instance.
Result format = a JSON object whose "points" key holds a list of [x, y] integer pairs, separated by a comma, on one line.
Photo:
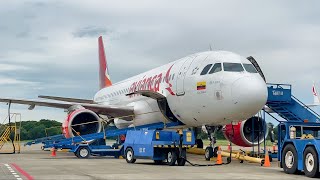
{"points": [[299, 147], [158, 145]]}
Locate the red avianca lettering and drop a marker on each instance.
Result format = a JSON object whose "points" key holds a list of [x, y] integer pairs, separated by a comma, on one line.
{"points": [[152, 83]]}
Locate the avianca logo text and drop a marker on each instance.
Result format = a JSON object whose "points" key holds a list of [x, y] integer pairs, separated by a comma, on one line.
{"points": [[152, 83]]}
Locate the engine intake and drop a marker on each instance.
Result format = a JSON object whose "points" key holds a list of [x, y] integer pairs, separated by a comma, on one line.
{"points": [[83, 121], [246, 133]]}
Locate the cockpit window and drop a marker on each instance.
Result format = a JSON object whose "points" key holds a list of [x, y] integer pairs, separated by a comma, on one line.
{"points": [[216, 68], [206, 69], [250, 68], [233, 67]]}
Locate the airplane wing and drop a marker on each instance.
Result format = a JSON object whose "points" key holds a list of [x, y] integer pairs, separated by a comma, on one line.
{"points": [[115, 111], [75, 100]]}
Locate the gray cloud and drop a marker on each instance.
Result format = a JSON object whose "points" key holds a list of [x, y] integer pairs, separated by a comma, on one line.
{"points": [[90, 31], [23, 34]]}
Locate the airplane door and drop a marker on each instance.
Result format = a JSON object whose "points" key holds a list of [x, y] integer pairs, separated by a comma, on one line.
{"points": [[181, 76]]}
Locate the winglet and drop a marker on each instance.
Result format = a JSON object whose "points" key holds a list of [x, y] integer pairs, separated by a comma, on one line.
{"points": [[103, 71], [316, 99]]}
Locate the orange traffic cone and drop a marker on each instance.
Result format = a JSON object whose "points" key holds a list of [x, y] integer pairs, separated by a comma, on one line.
{"points": [[266, 160], [219, 158], [53, 152]]}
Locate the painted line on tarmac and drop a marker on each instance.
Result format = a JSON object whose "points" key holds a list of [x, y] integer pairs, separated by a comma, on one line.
{"points": [[24, 173], [13, 172]]}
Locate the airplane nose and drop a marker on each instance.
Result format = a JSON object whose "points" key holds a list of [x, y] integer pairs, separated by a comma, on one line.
{"points": [[249, 95]]}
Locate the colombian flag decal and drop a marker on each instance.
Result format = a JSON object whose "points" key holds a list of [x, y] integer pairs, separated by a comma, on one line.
{"points": [[201, 85]]}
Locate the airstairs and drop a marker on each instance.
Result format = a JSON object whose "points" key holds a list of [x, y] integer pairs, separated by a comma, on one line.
{"points": [[10, 134], [281, 101]]}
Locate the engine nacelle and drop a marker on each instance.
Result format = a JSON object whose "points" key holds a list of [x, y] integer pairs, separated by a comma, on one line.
{"points": [[145, 112], [121, 124], [241, 133], [83, 121]]}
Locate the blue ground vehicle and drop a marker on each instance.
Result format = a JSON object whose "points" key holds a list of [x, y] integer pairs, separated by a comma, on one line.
{"points": [[299, 147], [158, 145]]}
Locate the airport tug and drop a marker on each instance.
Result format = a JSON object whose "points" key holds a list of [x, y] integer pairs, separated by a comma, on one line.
{"points": [[158, 145], [299, 147]]}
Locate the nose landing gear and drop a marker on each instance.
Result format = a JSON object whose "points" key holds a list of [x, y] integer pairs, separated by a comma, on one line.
{"points": [[211, 150]]}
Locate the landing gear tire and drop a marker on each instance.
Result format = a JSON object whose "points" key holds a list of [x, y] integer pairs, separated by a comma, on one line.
{"points": [[83, 152], [172, 158], [208, 154], [130, 155], [289, 159], [182, 161], [199, 143], [311, 162]]}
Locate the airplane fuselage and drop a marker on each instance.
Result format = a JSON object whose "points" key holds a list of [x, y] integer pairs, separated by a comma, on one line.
{"points": [[208, 88]]}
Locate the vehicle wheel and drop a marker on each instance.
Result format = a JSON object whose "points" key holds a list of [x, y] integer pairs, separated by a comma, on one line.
{"points": [[130, 155], [158, 162], [42, 148], [289, 159], [311, 162], [172, 158], [83, 152], [208, 153], [199, 143], [182, 161]]}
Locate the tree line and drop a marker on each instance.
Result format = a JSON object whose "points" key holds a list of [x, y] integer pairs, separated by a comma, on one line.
{"points": [[37, 129]]}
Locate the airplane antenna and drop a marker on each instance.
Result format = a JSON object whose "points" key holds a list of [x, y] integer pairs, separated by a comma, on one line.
{"points": [[210, 48]]}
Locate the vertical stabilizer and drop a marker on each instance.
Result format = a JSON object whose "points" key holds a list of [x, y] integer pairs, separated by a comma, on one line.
{"points": [[103, 71], [316, 99]]}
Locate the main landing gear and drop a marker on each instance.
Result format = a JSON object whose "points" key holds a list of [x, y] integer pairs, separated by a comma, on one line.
{"points": [[211, 150]]}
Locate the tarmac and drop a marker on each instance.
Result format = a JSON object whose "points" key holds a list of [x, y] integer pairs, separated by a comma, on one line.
{"points": [[33, 163]]}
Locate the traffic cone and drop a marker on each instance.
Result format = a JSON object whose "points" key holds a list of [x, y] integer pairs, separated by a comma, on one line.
{"points": [[53, 152], [266, 160], [219, 158]]}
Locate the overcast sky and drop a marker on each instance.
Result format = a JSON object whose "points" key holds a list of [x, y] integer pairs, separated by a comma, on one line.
{"points": [[50, 47]]}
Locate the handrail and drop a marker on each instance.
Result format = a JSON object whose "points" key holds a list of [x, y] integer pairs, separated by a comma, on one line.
{"points": [[280, 85], [274, 117], [307, 107]]}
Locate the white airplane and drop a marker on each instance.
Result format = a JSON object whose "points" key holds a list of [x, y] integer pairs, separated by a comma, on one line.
{"points": [[211, 88]]}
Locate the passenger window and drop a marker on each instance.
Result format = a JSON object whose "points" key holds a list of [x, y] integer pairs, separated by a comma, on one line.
{"points": [[206, 69], [216, 68], [233, 67], [172, 76]]}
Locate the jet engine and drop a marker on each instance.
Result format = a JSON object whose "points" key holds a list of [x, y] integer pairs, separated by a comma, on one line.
{"points": [[246, 133], [81, 121]]}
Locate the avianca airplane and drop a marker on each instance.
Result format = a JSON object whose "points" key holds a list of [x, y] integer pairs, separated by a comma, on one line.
{"points": [[213, 88]]}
